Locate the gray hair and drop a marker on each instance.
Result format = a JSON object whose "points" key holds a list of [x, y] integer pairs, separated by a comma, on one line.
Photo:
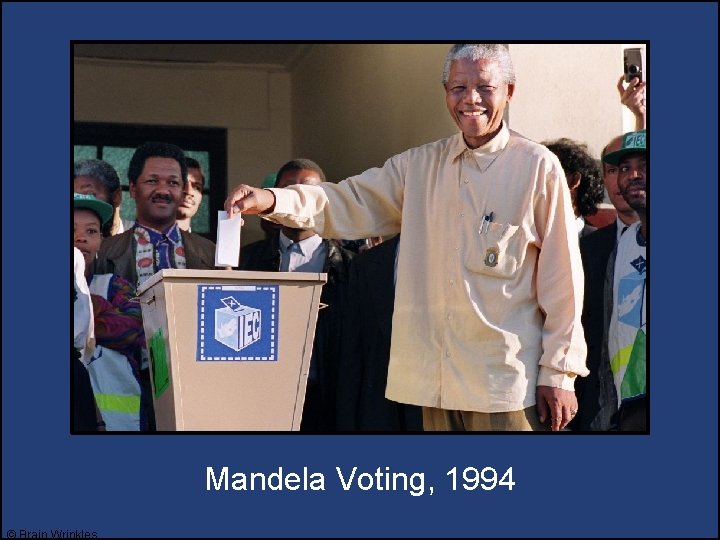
{"points": [[102, 170], [476, 51]]}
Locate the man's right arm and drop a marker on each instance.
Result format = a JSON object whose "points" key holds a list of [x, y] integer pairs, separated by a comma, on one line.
{"points": [[369, 204]]}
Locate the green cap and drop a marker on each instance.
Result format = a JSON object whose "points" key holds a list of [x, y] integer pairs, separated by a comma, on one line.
{"points": [[269, 180], [101, 208], [632, 142]]}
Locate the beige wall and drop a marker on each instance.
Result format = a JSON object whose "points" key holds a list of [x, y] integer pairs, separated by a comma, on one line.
{"points": [[252, 104], [356, 105]]}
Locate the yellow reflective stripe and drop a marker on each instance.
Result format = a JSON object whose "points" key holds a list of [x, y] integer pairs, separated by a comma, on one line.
{"points": [[125, 404], [622, 358]]}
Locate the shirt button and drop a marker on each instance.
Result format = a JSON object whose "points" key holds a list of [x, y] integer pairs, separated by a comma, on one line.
{"points": [[466, 180], [449, 317], [462, 215], [456, 248], [452, 282], [447, 354]]}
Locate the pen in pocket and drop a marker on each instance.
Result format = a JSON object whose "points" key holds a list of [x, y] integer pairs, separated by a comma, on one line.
{"points": [[485, 225]]}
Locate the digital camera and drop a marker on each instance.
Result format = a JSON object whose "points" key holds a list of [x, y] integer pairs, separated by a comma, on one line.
{"points": [[634, 61]]}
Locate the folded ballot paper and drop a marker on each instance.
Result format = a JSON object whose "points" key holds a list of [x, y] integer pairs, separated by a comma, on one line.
{"points": [[227, 247]]}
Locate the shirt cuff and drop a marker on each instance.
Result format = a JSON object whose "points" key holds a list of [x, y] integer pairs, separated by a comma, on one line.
{"points": [[556, 379], [286, 203]]}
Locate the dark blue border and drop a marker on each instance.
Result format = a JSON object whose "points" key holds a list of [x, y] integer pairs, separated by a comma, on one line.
{"points": [[664, 484]]}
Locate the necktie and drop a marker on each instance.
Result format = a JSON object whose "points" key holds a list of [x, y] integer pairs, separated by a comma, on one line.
{"points": [[293, 247], [164, 253]]}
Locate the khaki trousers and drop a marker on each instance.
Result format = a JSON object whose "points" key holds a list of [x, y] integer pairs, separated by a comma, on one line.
{"points": [[446, 420]]}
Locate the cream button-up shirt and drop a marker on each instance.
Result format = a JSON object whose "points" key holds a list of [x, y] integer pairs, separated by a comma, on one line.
{"points": [[483, 314]]}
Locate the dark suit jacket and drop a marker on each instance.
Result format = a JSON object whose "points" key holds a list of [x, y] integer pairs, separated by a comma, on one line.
{"points": [[319, 408], [596, 392], [587, 230], [362, 376], [116, 255]]}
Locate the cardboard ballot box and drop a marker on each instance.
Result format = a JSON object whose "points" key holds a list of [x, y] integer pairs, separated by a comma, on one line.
{"points": [[229, 350]]}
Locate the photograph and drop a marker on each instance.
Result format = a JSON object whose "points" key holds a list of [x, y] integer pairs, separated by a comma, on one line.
{"points": [[381, 358]]}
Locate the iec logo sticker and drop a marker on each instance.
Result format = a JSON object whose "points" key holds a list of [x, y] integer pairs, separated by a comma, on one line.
{"points": [[237, 322]]}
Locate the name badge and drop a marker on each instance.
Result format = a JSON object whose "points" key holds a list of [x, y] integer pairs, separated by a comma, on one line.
{"points": [[491, 256]]}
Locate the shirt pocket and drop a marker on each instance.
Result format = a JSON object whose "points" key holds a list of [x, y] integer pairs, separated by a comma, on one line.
{"points": [[498, 251]]}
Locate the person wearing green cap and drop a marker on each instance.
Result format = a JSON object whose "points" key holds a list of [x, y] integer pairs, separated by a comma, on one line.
{"points": [[625, 334], [85, 416], [99, 178], [596, 393], [119, 336]]}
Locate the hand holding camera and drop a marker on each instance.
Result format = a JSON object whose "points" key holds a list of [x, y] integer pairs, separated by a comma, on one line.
{"points": [[633, 63], [633, 95]]}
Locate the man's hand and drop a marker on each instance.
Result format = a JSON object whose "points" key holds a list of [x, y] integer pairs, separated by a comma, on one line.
{"points": [[633, 97], [249, 200], [561, 405]]}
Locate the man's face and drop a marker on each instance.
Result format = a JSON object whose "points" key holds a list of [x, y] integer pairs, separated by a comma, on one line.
{"points": [[610, 177], [88, 185], [87, 235], [632, 180], [298, 176], [192, 194], [476, 97], [157, 192]]}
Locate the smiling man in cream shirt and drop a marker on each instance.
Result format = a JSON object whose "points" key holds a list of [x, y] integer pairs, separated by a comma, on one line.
{"points": [[486, 330]]}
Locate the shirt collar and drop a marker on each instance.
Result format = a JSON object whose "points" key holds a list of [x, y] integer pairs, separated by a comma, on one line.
{"points": [[485, 154], [620, 227], [173, 233], [639, 237], [307, 247]]}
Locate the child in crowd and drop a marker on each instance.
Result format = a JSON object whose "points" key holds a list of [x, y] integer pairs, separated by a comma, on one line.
{"points": [[119, 334], [86, 417]]}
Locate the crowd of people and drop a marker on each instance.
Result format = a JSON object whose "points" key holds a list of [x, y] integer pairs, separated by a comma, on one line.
{"points": [[502, 308]]}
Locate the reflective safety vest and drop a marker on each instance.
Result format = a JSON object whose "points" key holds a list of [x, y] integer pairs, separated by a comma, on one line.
{"points": [[116, 389]]}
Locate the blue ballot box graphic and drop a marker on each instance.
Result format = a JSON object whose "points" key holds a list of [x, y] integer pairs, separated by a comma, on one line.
{"points": [[237, 326], [237, 323]]}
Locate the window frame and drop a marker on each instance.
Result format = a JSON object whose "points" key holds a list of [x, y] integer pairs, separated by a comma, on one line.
{"points": [[191, 138]]}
